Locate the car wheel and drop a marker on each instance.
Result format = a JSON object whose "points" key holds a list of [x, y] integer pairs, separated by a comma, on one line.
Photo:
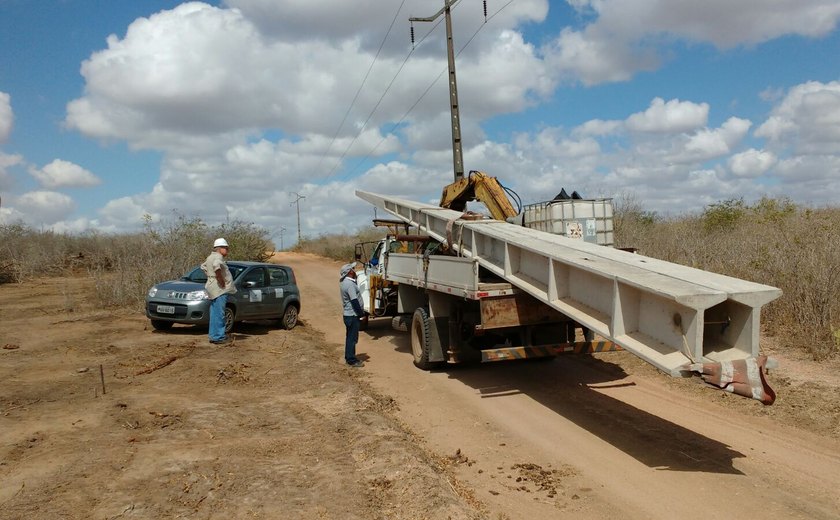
{"points": [[230, 315], [161, 325], [290, 317]]}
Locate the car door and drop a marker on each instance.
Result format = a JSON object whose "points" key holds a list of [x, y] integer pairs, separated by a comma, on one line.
{"points": [[254, 293], [280, 289]]}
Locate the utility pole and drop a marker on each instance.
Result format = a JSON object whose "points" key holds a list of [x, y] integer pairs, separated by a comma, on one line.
{"points": [[297, 203], [282, 230], [457, 155]]}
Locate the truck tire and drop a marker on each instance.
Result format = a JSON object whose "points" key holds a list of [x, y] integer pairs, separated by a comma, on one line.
{"points": [[421, 339]]}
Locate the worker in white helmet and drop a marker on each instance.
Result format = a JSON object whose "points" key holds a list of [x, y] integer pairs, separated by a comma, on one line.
{"points": [[219, 285]]}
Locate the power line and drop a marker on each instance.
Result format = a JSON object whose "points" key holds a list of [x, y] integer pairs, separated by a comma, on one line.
{"points": [[432, 84], [364, 80], [332, 171]]}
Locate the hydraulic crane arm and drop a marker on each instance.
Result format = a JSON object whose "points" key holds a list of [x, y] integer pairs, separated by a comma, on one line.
{"points": [[481, 187]]}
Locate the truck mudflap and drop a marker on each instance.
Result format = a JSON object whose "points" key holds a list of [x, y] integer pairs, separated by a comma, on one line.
{"points": [[530, 352], [744, 377]]}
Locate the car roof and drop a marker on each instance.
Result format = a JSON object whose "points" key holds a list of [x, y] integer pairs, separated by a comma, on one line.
{"points": [[247, 263]]}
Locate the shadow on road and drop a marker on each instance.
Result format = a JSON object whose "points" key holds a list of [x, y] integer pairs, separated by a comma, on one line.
{"points": [[569, 385]]}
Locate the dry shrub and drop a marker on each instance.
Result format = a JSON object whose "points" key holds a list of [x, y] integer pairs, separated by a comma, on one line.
{"points": [[27, 253], [125, 266], [168, 250], [338, 246]]}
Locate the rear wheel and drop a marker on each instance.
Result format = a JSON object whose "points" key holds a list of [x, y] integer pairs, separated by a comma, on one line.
{"points": [[422, 340], [290, 317], [230, 316], [161, 325]]}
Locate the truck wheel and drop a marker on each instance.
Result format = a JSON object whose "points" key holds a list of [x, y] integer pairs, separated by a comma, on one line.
{"points": [[421, 339]]}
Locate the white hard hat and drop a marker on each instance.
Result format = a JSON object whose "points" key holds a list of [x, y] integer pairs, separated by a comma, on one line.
{"points": [[220, 242]]}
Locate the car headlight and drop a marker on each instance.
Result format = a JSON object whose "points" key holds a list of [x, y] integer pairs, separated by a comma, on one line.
{"points": [[152, 292], [197, 295]]}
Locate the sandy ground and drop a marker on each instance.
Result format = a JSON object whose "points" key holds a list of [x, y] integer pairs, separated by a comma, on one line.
{"points": [[276, 427]]}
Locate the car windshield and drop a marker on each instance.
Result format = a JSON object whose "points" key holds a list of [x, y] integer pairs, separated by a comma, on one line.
{"points": [[198, 276]]}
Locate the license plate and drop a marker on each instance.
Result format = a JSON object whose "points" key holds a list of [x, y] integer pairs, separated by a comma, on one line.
{"points": [[166, 309]]}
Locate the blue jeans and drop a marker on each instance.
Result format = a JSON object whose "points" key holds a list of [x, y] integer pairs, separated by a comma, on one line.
{"points": [[351, 323], [217, 318]]}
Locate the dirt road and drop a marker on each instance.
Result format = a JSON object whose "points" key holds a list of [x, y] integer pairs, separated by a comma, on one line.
{"points": [[581, 437], [276, 427]]}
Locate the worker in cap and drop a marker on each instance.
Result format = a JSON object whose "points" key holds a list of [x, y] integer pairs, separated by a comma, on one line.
{"points": [[344, 271], [351, 301], [219, 284]]}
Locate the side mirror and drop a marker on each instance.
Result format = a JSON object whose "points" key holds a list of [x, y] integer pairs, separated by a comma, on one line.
{"points": [[250, 284]]}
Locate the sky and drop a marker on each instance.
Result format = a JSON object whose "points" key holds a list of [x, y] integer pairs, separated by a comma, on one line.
{"points": [[116, 111]]}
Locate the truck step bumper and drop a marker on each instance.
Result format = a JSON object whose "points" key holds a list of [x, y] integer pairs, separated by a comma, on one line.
{"points": [[582, 347]]}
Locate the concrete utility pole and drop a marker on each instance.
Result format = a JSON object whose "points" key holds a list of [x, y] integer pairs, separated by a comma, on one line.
{"points": [[297, 203], [282, 230], [457, 155]]}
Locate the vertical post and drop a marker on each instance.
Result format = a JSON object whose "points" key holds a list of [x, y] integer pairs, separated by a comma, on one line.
{"points": [[297, 203], [457, 154]]}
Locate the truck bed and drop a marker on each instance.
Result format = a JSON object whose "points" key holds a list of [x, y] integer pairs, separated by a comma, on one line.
{"points": [[448, 274]]}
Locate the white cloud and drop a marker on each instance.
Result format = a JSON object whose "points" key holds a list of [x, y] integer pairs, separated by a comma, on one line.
{"points": [[244, 105], [707, 144], [6, 162], [64, 174], [337, 21], [807, 120], [7, 117], [804, 179], [124, 212], [751, 163], [598, 127], [670, 117], [594, 59], [9, 215], [198, 76], [246, 100], [625, 35], [44, 207]]}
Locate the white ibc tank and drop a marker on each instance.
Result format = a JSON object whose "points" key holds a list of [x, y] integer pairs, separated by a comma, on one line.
{"points": [[590, 220]]}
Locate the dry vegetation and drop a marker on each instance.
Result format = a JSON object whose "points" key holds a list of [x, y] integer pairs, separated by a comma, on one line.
{"points": [[124, 266], [772, 241], [336, 246]]}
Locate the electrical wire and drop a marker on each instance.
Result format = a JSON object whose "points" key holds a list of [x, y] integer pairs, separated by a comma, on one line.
{"points": [[364, 80], [392, 131], [381, 98]]}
